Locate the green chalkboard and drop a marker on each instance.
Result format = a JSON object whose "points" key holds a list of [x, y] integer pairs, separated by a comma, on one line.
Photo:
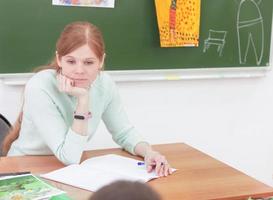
{"points": [[29, 30]]}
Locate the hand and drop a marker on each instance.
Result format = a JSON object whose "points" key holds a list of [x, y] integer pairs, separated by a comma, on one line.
{"points": [[66, 85], [155, 160]]}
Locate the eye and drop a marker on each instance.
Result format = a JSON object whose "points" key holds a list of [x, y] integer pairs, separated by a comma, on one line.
{"points": [[88, 62], [71, 62]]}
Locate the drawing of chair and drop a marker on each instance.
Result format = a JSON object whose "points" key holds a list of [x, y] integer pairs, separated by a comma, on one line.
{"points": [[215, 38]]}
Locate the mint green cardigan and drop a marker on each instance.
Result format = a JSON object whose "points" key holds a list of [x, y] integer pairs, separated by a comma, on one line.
{"points": [[48, 116]]}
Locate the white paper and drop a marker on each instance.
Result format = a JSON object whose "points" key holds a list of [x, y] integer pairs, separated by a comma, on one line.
{"points": [[97, 172]]}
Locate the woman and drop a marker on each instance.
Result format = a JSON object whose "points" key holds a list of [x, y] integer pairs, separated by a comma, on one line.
{"points": [[64, 103]]}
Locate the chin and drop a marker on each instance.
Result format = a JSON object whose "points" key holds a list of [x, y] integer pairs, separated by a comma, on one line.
{"points": [[82, 85]]}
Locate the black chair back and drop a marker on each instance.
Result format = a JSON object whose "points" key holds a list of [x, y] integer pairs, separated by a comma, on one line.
{"points": [[4, 128]]}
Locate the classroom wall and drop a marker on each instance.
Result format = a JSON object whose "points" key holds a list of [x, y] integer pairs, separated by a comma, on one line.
{"points": [[230, 119]]}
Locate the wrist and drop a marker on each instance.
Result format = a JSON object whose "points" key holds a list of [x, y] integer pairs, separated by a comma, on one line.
{"points": [[148, 150], [143, 148], [82, 116], [83, 100]]}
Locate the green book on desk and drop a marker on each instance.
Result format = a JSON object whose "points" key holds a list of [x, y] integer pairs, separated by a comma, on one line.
{"points": [[60, 197], [28, 187]]}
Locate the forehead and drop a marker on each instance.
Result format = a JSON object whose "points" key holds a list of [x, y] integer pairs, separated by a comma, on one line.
{"points": [[82, 52]]}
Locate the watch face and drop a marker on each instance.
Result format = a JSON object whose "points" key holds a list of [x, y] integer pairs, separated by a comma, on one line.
{"points": [[79, 117]]}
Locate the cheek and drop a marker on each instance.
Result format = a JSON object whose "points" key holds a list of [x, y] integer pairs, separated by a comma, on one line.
{"points": [[66, 71], [92, 74]]}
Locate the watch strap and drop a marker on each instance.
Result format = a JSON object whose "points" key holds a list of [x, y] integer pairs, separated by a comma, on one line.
{"points": [[82, 116]]}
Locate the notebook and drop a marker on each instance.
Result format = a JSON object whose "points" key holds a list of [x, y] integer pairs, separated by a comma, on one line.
{"points": [[27, 187], [96, 172]]}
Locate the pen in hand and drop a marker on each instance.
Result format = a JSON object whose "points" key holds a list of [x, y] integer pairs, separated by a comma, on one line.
{"points": [[140, 163], [143, 163]]}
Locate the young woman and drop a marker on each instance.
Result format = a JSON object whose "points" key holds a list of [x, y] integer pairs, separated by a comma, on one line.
{"points": [[64, 103]]}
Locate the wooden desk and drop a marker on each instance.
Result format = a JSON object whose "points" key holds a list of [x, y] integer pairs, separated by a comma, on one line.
{"points": [[199, 176]]}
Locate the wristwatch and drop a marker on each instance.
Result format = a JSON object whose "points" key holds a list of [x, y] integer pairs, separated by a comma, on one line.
{"points": [[82, 116]]}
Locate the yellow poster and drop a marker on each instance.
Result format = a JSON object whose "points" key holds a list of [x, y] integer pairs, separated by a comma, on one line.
{"points": [[178, 22]]}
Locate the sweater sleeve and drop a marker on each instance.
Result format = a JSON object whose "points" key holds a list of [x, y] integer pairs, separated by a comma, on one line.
{"points": [[117, 123], [66, 145]]}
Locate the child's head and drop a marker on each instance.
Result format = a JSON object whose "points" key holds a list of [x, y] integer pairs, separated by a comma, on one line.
{"points": [[126, 190]]}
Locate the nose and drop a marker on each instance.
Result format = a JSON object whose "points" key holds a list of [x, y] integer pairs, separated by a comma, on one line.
{"points": [[79, 69]]}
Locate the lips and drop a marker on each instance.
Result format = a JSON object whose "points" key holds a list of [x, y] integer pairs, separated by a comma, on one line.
{"points": [[80, 80]]}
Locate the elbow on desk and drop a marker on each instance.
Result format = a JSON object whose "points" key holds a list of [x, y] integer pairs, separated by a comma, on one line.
{"points": [[68, 158]]}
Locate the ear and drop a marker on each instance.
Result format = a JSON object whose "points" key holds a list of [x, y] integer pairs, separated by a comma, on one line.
{"points": [[102, 61], [57, 58]]}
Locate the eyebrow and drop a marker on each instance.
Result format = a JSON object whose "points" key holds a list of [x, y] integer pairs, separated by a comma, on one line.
{"points": [[90, 58]]}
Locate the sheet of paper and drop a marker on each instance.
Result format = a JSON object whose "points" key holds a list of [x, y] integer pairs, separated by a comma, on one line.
{"points": [[120, 164], [96, 172], [85, 178]]}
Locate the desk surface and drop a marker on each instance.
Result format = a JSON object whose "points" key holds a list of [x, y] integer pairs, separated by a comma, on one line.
{"points": [[199, 176]]}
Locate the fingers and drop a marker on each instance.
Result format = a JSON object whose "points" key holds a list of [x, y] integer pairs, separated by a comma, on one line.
{"points": [[162, 168], [60, 79], [158, 168], [167, 169], [156, 161], [149, 168], [68, 84], [170, 171], [64, 84]]}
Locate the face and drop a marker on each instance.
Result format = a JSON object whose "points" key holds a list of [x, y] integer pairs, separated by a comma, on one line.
{"points": [[81, 65]]}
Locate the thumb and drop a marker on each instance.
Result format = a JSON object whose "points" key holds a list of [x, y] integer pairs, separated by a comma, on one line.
{"points": [[149, 168]]}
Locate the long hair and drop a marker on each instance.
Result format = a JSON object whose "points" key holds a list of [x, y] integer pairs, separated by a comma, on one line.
{"points": [[73, 36]]}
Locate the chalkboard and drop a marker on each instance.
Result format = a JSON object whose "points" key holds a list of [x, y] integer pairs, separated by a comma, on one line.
{"points": [[30, 28]]}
